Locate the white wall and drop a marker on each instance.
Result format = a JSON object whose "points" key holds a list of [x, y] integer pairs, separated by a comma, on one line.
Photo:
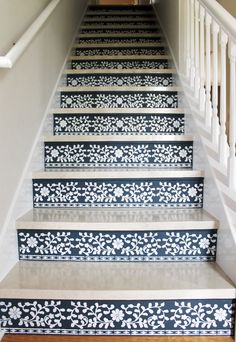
{"points": [[15, 17], [168, 12], [25, 91]]}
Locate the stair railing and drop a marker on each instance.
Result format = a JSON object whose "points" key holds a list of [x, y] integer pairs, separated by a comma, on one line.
{"points": [[209, 56], [16, 51]]}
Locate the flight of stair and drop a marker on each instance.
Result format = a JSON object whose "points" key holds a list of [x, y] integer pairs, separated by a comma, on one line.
{"points": [[118, 242]]}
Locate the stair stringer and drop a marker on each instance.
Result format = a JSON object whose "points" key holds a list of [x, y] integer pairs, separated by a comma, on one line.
{"points": [[22, 200]]}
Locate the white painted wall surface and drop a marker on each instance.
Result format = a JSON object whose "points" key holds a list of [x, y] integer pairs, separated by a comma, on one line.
{"points": [[168, 11], [25, 93], [15, 17]]}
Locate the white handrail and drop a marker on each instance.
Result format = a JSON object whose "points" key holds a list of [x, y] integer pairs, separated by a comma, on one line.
{"points": [[221, 16], [15, 52]]}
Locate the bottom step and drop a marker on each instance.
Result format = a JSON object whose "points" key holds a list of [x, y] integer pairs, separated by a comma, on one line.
{"points": [[117, 299]]}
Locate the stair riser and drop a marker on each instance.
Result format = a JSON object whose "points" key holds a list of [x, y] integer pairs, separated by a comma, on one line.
{"points": [[116, 51], [65, 245], [107, 192], [121, 99], [146, 23], [118, 124], [118, 317], [111, 8], [120, 31], [126, 16], [120, 40], [124, 154], [163, 80], [119, 64]]}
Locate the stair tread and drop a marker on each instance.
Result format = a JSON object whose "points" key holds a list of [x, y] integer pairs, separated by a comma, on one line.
{"points": [[117, 219], [120, 57], [105, 138], [113, 173], [118, 44], [145, 111], [133, 281]]}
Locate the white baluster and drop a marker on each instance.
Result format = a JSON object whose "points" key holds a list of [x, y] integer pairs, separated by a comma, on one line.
{"points": [[202, 59], [232, 127], [215, 120], [192, 59], [208, 108], [197, 73], [223, 146], [188, 40]]}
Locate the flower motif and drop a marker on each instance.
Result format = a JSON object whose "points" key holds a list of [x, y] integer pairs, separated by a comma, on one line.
{"points": [[119, 123], [165, 82], [118, 153], [170, 100], [69, 101], [63, 123], [54, 153], [192, 192], [74, 83], [220, 315], [176, 124], [119, 82], [117, 315], [119, 100], [183, 153], [118, 192], [15, 312], [204, 243], [44, 191], [32, 242], [118, 243]]}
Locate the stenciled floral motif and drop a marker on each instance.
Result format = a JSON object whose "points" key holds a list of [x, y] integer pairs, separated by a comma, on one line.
{"points": [[131, 24], [163, 80], [120, 31], [117, 246], [118, 124], [119, 154], [119, 100], [104, 193], [148, 51], [80, 317], [131, 17], [119, 40], [119, 64]]}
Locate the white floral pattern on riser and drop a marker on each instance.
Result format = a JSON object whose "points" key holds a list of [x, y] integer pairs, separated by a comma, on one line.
{"points": [[121, 31], [126, 16], [162, 80], [125, 124], [143, 23], [117, 246], [111, 9], [119, 64], [119, 100], [118, 193], [125, 154], [118, 40], [119, 51], [78, 317]]}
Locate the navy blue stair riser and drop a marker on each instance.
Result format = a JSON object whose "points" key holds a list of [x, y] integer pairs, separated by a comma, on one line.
{"points": [[123, 39], [112, 8], [119, 64], [121, 154], [115, 51], [119, 99], [118, 124], [106, 317], [141, 22], [163, 80], [71, 245], [120, 30], [149, 16], [72, 193]]}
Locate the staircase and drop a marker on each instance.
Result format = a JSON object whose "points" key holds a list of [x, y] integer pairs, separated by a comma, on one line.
{"points": [[118, 242]]}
